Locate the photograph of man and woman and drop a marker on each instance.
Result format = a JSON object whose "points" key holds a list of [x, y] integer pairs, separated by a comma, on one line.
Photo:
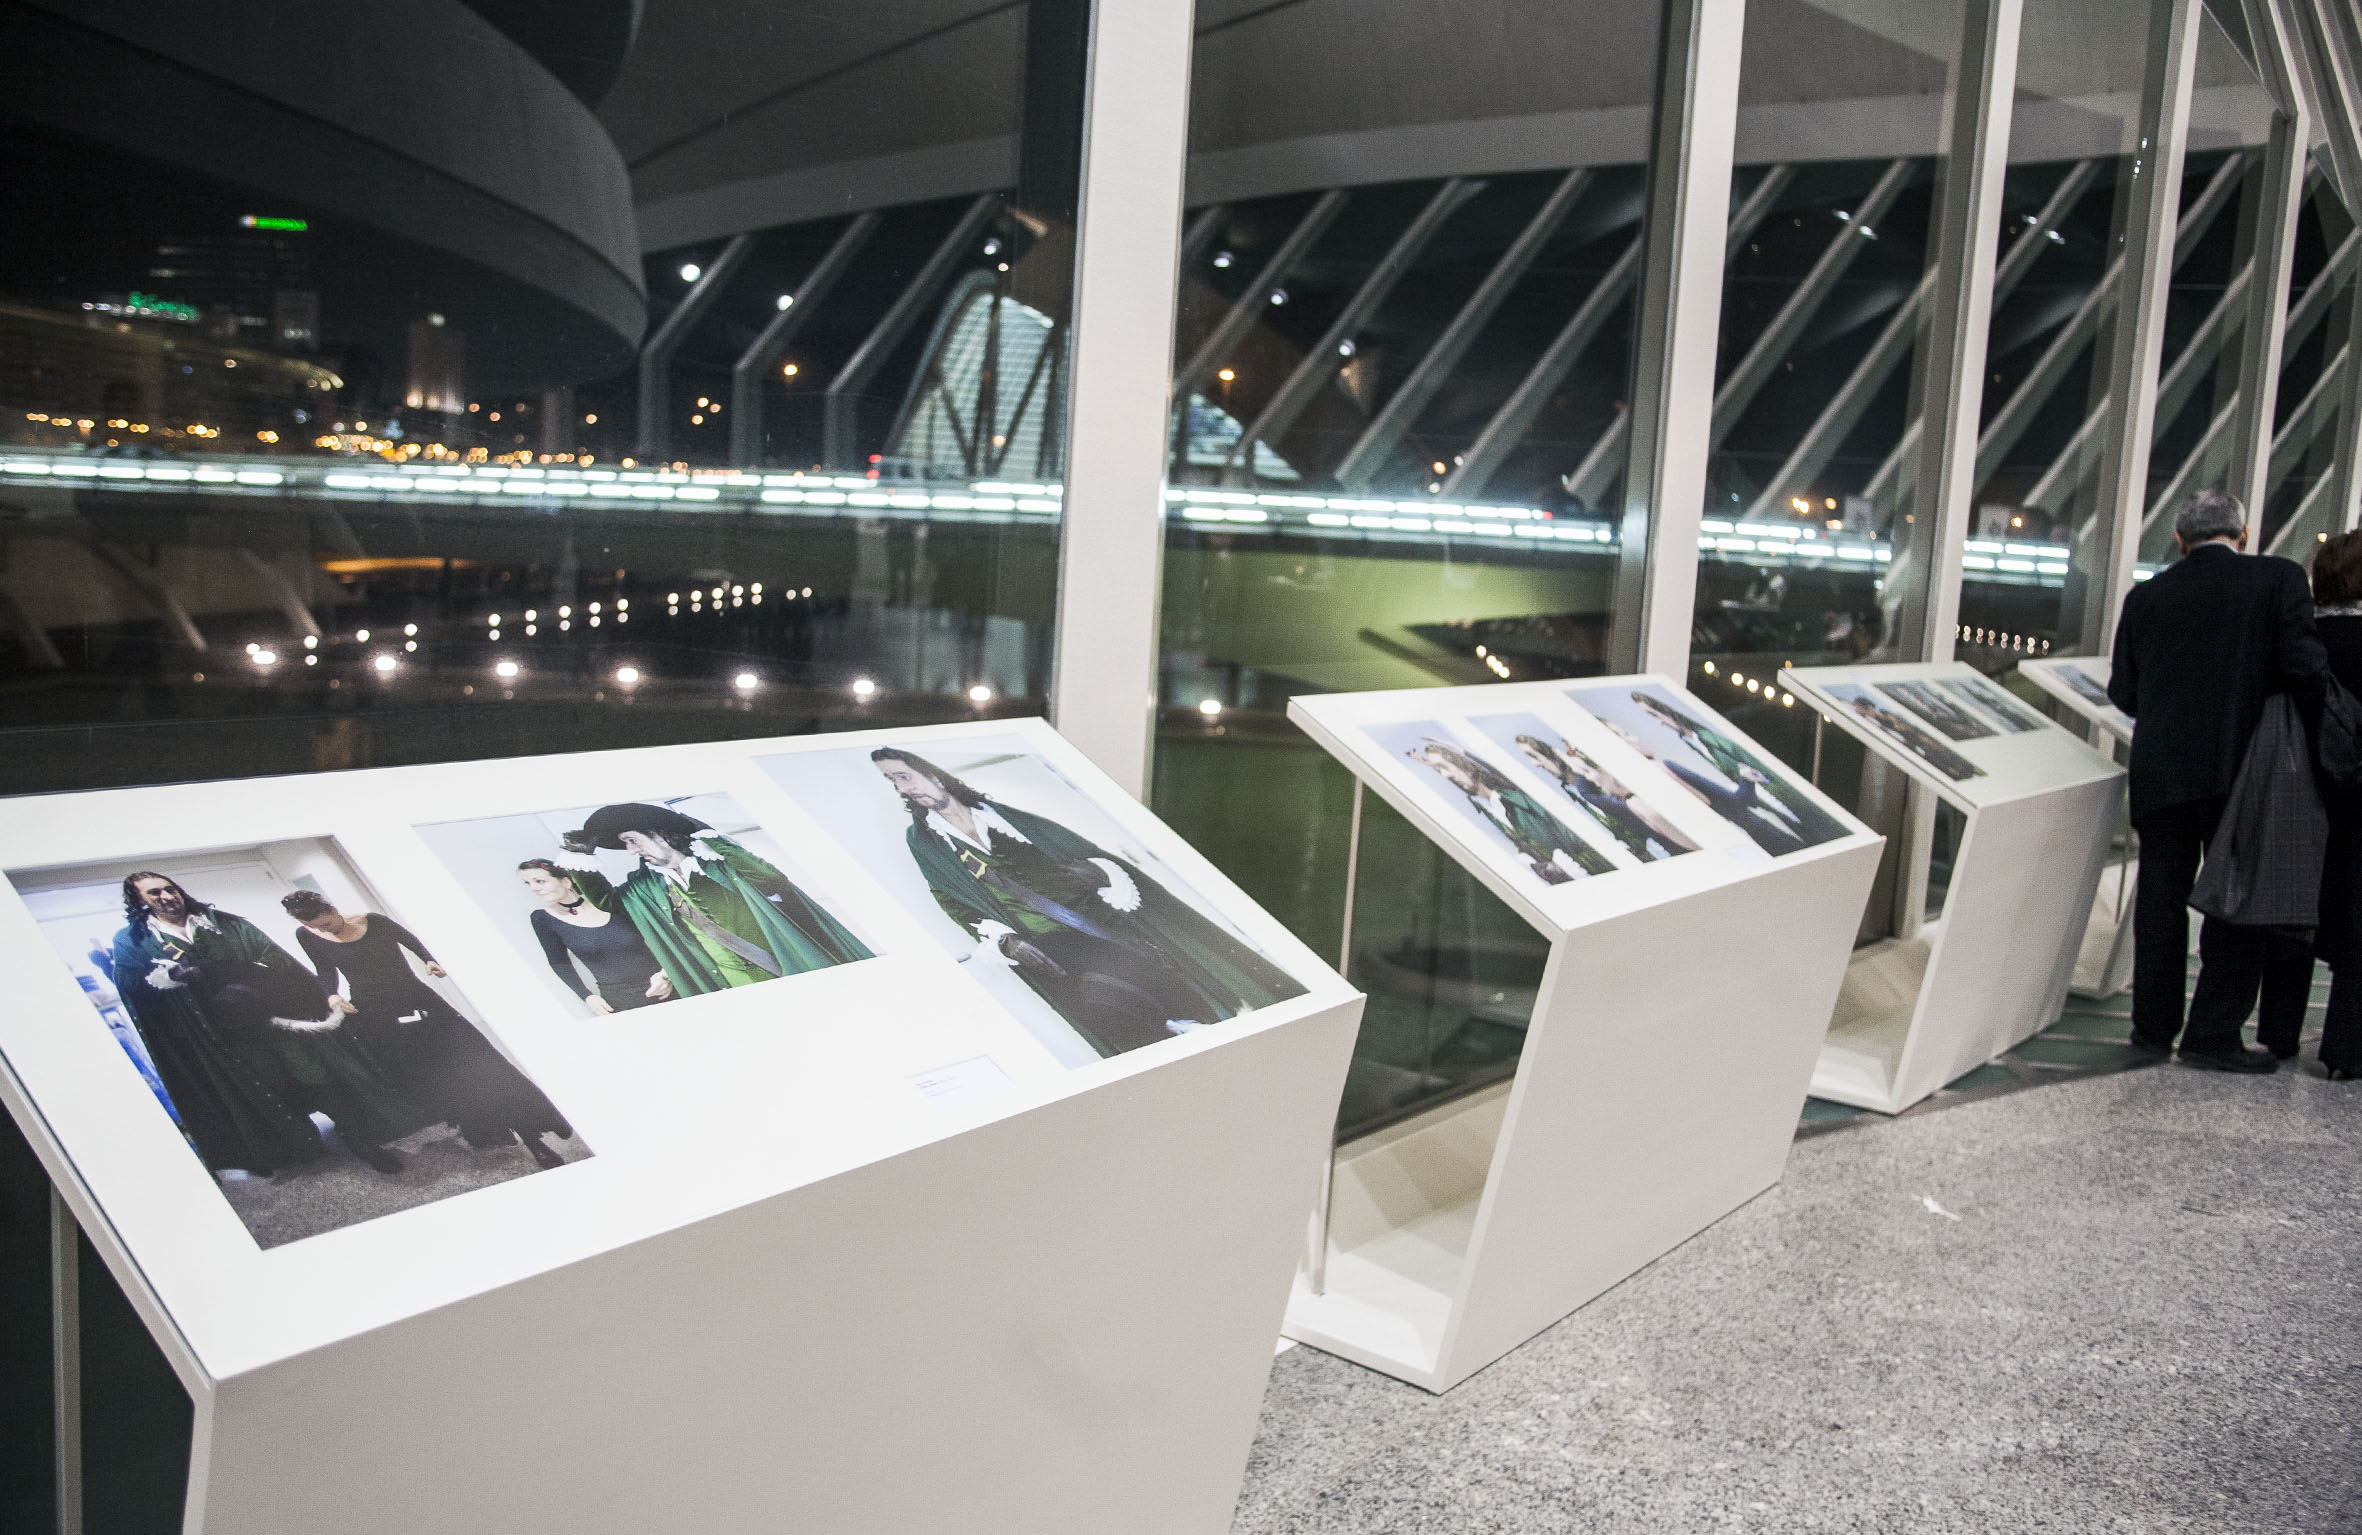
{"points": [[1707, 758], [311, 1049], [635, 904], [1085, 937], [1947, 714], [1459, 767], [1596, 795], [1919, 742], [1996, 700]]}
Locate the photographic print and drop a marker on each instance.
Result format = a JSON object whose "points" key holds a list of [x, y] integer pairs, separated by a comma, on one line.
{"points": [[1088, 940], [2093, 690], [635, 904], [1946, 714], [1705, 758], [1903, 733], [1995, 700], [313, 1053], [1482, 793], [1594, 793]]}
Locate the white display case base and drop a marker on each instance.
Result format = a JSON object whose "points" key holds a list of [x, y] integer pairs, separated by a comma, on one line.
{"points": [[1659, 1089]]}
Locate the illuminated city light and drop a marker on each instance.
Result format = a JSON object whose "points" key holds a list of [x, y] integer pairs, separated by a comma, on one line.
{"points": [[1210, 707], [311, 642], [691, 271], [746, 682], [1228, 375], [311, 660], [361, 635], [627, 675], [980, 694], [506, 669], [386, 663], [274, 221], [410, 644], [863, 688], [789, 371], [266, 658], [787, 301], [410, 628]]}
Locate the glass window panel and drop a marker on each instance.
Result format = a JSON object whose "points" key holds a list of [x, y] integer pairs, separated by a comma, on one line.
{"points": [[1404, 347], [691, 374]]}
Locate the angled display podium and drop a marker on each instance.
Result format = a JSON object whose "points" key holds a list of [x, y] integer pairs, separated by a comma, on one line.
{"points": [[1920, 1008], [1698, 902], [866, 1133], [2079, 685]]}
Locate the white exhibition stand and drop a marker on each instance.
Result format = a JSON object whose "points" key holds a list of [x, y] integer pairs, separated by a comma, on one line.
{"points": [[1922, 1007], [2079, 685], [1666, 1059], [865, 1249]]}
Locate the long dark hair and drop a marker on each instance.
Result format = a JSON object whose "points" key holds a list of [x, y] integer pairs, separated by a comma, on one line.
{"points": [[957, 788], [135, 910], [1560, 769], [1483, 772]]}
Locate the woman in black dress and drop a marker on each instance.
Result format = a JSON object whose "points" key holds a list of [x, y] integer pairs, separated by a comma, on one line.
{"points": [[2337, 614], [432, 1053], [570, 923]]}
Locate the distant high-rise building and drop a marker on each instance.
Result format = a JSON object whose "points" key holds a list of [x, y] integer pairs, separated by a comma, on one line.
{"points": [[438, 367], [253, 285]]}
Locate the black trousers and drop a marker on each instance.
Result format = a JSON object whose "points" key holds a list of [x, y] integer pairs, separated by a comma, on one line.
{"points": [[2236, 964]]}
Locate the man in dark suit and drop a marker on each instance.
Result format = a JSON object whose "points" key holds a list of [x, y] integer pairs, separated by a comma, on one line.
{"points": [[2199, 647]]}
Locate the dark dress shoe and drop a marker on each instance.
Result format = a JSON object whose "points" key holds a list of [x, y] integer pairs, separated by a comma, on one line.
{"points": [[2282, 1052], [542, 1152], [2344, 1074], [2148, 1046], [2238, 1058]]}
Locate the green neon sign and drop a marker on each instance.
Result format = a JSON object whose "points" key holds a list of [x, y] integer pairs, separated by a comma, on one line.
{"points": [[148, 304], [270, 221]]}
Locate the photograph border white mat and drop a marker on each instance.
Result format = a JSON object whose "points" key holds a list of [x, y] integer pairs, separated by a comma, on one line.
{"points": [[874, 1307], [1664, 1066], [1919, 1009]]}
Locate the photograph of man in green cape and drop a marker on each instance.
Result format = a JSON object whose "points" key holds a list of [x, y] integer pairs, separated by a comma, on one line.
{"points": [[1123, 960], [714, 914]]}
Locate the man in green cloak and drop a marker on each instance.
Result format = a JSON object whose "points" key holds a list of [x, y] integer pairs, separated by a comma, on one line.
{"points": [[1762, 804], [245, 1041], [714, 915], [1123, 960], [1556, 855]]}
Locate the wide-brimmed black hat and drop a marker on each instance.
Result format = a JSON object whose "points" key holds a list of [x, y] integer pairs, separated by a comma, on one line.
{"points": [[607, 824]]}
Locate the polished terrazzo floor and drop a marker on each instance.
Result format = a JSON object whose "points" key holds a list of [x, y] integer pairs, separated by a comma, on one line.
{"points": [[2077, 1291]]}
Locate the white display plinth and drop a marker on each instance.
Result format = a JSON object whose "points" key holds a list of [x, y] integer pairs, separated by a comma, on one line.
{"points": [[1671, 1041], [2079, 684], [869, 1248], [1920, 1009]]}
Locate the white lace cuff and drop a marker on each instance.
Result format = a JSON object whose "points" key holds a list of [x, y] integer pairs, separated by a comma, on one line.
{"points": [[988, 944], [1121, 894]]}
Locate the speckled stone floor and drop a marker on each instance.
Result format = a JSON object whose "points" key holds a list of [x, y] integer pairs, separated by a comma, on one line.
{"points": [[2076, 1292]]}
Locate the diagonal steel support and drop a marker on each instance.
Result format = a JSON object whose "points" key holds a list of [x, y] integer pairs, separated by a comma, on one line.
{"points": [[2307, 523], [1605, 460], [1232, 328], [2215, 449], [756, 362], [1771, 348], [1894, 344], [656, 357], [1894, 479], [1369, 453], [152, 584], [1509, 424], [1319, 365], [844, 391]]}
